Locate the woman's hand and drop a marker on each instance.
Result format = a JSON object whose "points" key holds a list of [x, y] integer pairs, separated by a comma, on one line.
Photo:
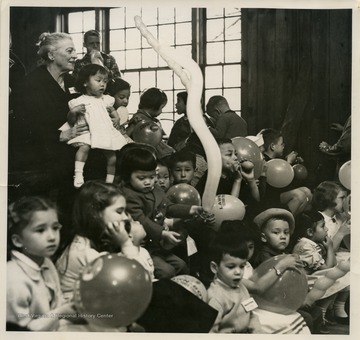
{"points": [[337, 127], [73, 132], [74, 112], [324, 146]]}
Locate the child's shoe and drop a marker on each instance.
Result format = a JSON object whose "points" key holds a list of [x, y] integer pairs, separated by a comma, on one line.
{"points": [[324, 329], [78, 179]]}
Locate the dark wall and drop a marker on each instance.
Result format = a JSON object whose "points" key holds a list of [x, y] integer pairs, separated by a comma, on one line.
{"points": [[26, 25], [296, 76]]}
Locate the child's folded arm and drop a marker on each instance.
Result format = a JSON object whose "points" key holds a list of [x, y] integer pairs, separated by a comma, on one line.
{"points": [[135, 209]]}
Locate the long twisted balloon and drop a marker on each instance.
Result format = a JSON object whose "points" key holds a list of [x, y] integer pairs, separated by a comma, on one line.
{"points": [[322, 284], [190, 75]]}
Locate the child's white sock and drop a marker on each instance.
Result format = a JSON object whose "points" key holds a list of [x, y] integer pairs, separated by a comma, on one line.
{"points": [[109, 178], [79, 178], [339, 309], [339, 303], [79, 166]]}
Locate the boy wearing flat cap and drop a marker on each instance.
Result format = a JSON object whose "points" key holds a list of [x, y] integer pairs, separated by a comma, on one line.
{"points": [[276, 225]]}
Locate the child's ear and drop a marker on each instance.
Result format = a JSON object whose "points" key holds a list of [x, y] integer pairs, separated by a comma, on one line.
{"points": [[16, 240], [213, 267], [309, 232], [263, 238], [272, 146]]}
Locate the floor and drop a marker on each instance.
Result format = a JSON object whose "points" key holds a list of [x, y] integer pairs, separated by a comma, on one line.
{"points": [[339, 329]]}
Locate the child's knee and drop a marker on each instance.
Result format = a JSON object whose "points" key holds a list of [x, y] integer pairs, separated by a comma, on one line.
{"points": [[181, 267], [162, 269], [299, 195]]}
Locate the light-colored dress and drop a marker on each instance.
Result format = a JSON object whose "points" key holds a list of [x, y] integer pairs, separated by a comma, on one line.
{"points": [[102, 134], [310, 254], [78, 255]]}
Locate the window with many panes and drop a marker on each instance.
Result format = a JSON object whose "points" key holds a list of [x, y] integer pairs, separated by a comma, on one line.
{"points": [[220, 52]]}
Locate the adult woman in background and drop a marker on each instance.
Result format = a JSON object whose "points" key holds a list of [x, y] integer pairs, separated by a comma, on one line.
{"points": [[38, 162]]}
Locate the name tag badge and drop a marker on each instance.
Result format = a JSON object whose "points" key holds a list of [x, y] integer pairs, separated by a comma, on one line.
{"points": [[72, 90], [191, 246], [249, 304]]}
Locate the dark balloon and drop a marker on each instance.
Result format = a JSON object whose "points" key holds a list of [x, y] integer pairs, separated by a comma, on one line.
{"points": [[148, 133], [287, 294], [113, 291], [183, 194], [300, 172]]}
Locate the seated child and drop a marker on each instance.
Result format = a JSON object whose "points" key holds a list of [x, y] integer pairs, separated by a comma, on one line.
{"points": [[181, 130], [147, 203], [328, 199], [251, 236], [182, 166], [297, 199], [316, 250], [33, 296], [107, 229], [232, 176], [152, 101], [227, 293], [276, 225], [120, 90], [163, 175]]}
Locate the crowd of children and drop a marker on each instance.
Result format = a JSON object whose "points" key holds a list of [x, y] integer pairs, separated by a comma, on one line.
{"points": [[130, 213]]}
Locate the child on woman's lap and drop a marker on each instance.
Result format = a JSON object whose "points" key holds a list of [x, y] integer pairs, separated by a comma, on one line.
{"points": [[34, 298], [96, 110]]}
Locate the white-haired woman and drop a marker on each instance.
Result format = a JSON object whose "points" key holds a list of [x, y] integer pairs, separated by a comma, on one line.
{"points": [[38, 162]]}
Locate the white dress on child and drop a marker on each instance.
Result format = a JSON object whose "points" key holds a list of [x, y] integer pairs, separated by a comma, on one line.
{"points": [[102, 134]]}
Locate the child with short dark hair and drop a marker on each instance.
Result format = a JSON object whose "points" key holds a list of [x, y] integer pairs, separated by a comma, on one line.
{"points": [[227, 293], [152, 101], [183, 166], [33, 296], [163, 175], [234, 179], [297, 199], [276, 225], [94, 109], [120, 90], [181, 130], [251, 236], [147, 204]]}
